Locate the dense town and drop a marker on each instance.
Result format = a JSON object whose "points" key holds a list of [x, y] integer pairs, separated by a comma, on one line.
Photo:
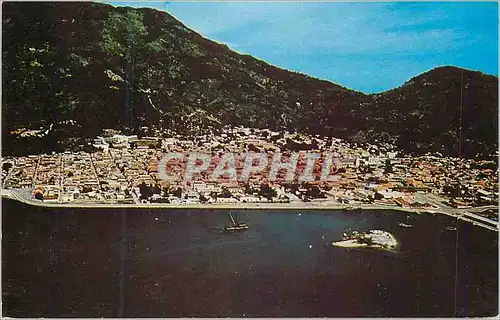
{"points": [[124, 169]]}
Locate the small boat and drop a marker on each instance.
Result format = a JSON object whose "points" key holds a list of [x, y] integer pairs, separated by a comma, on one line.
{"points": [[404, 225], [235, 226], [451, 228]]}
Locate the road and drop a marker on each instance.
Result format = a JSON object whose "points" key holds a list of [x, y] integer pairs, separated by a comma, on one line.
{"points": [[478, 217], [463, 214]]}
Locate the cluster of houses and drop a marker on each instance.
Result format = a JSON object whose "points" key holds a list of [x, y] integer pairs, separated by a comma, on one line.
{"points": [[125, 170], [20, 173]]}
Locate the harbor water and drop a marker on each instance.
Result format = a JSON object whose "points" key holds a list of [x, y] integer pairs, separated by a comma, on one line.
{"points": [[62, 262]]}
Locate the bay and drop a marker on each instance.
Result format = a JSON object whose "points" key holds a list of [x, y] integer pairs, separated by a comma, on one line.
{"points": [[77, 262]]}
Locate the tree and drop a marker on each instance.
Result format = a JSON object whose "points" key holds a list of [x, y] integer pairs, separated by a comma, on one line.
{"points": [[226, 193], [165, 191], [267, 191], [37, 92], [178, 192], [203, 199], [214, 195], [145, 191], [123, 38], [39, 196], [6, 166], [314, 192], [388, 167], [37, 70], [156, 189]]}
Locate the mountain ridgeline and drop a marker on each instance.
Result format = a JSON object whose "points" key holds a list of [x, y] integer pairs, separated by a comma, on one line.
{"points": [[141, 69]]}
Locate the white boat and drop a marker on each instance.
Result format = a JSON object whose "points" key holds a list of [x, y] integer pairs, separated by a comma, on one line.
{"points": [[404, 225]]}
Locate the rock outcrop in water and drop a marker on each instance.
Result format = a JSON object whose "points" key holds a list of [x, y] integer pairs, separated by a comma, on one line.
{"points": [[374, 239]]}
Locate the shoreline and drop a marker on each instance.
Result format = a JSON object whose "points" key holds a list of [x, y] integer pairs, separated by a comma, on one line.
{"points": [[8, 194], [261, 205]]}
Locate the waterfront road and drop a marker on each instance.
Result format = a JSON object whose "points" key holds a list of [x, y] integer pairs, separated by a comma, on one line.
{"points": [[478, 217], [465, 214]]}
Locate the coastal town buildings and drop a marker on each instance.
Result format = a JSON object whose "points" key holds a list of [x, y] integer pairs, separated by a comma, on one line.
{"points": [[125, 169]]}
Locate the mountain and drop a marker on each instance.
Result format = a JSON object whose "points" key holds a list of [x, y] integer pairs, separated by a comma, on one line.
{"points": [[448, 110], [131, 69]]}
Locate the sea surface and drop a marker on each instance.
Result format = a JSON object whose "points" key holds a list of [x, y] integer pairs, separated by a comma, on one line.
{"points": [[179, 263]]}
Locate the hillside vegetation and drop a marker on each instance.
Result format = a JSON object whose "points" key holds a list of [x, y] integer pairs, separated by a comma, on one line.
{"points": [[141, 70]]}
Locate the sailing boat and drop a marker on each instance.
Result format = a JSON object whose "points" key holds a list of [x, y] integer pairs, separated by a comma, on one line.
{"points": [[451, 228], [235, 226]]}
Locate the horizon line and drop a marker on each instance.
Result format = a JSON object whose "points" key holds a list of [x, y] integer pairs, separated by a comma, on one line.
{"points": [[332, 81]]}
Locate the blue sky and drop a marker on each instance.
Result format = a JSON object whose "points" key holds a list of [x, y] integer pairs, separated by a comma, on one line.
{"points": [[369, 47]]}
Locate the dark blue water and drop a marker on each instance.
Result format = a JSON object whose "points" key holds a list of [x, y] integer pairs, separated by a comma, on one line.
{"points": [[178, 263]]}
